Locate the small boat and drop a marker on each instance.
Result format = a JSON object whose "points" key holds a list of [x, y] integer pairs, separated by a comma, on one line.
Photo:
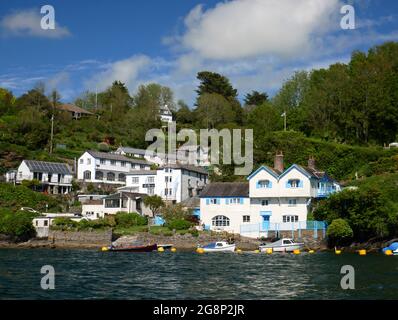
{"points": [[393, 247], [220, 246], [282, 245], [134, 248]]}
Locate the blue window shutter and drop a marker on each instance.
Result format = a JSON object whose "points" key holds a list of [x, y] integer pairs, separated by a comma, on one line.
{"points": [[241, 200], [227, 201], [207, 201], [270, 184], [218, 201], [258, 185], [301, 184], [287, 184]]}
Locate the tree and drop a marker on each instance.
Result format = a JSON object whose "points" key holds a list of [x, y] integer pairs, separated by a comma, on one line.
{"points": [[256, 98], [155, 204], [211, 82], [264, 119], [7, 101], [184, 115], [339, 233]]}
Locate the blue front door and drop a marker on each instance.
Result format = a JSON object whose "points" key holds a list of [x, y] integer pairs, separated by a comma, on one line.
{"points": [[265, 225]]}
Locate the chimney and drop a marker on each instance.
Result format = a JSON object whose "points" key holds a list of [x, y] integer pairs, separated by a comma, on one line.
{"points": [[311, 162], [278, 164]]}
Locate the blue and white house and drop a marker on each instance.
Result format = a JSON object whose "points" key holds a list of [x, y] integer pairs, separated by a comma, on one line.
{"points": [[272, 199]]}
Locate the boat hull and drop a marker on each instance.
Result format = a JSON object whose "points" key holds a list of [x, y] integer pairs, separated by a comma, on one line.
{"points": [[229, 248], [282, 248], [149, 248]]}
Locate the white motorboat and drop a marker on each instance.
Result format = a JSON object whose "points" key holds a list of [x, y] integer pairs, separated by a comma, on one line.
{"points": [[220, 246], [282, 245]]}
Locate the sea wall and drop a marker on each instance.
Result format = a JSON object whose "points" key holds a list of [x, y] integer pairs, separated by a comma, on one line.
{"points": [[83, 239]]}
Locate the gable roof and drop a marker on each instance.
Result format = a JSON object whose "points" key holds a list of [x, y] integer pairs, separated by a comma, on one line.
{"points": [[226, 189], [271, 171], [300, 169], [185, 167], [132, 150], [72, 108], [113, 156], [50, 167]]}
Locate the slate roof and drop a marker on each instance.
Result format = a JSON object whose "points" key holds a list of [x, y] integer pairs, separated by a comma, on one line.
{"points": [[50, 167], [118, 157], [226, 189], [186, 167], [72, 108], [142, 172], [193, 202], [133, 150]]}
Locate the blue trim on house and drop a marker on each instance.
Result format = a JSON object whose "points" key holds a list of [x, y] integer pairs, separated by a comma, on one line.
{"points": [[225, 197], [260, 169], [295, 166], [265, 213]]}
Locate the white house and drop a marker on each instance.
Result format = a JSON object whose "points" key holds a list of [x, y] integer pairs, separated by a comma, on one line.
{"points": [[122, 201], [107, 168], [174, 183], [53, 177], [272, 199], [165, 114], [186, 154]]}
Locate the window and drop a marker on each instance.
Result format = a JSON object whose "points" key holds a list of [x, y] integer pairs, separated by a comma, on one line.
{"points": [[220, 221], [292, 202], [99, 175], [167, 179], [142, 166], [81, 161], [113, 163], [290, 218], [234, 201], [88, 161], [151, 180], [294, 183], [134, 180], [102, 161], [122, 177], [123, 163], [37, 223], [46, 223], [110, 176], [168, 191], [264, 202], [246, 218], [264, 184], [112, 203], [87, 175], [151, 190], [213, 201]]}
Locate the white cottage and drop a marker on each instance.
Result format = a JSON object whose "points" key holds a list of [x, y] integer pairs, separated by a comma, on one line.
{"points": [[272, 199], [53, 177]]}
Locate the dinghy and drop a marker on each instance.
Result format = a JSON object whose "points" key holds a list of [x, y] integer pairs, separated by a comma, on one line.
{"points": [[220, 246], [283, 245]]}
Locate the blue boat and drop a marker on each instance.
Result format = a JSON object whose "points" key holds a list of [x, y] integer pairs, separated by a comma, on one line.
{"points": [[393, 247]]}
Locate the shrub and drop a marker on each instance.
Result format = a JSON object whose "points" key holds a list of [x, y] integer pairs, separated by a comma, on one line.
{"points": [[339, 232], [194, 233], [125, 220], [179, 224], [64, 223], [18, 225]]}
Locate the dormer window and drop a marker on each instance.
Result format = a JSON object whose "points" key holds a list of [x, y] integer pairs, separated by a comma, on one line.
{"points": [[294, 183], [262, 184]]}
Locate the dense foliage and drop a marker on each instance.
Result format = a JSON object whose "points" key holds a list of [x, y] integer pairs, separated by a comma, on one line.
{"points": [[17, 225], [339, 232], [124, 219]]}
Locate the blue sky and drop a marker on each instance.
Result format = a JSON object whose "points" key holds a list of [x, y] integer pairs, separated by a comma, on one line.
{"points": [[256, 43]]}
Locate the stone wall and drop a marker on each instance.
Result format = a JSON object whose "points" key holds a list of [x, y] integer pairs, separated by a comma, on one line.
{"points": [[80, 238]]}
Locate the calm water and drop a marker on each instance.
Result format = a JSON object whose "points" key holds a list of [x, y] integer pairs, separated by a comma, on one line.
{"points": [[83, 274]]}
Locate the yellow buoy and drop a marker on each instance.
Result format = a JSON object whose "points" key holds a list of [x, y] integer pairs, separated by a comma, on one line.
{"points": [[160, 249], [297, 251], [238, 250], [311, 251], [336, 251], [200, 250], [269, 251], [388, 252], [173, 249], [256, 251], [104, 249], [362, 252]]}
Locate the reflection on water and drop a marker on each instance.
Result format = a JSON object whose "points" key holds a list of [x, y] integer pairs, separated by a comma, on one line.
{"points": [[83, 274]]}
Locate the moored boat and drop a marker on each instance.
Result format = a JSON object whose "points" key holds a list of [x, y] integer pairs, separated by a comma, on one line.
{"points": [[219, 246], [282, 245], [393, 247], [134, 248]]}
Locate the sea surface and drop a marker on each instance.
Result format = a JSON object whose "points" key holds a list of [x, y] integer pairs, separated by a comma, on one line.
{"points": [[88, 274]]}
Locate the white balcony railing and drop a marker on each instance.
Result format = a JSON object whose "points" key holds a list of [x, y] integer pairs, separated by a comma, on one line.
{"points": [[44, 179]]}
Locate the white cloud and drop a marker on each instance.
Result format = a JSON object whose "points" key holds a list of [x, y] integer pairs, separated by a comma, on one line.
{"points": [[248, 28], [27, 23], [126, 71], [58, 80]]}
